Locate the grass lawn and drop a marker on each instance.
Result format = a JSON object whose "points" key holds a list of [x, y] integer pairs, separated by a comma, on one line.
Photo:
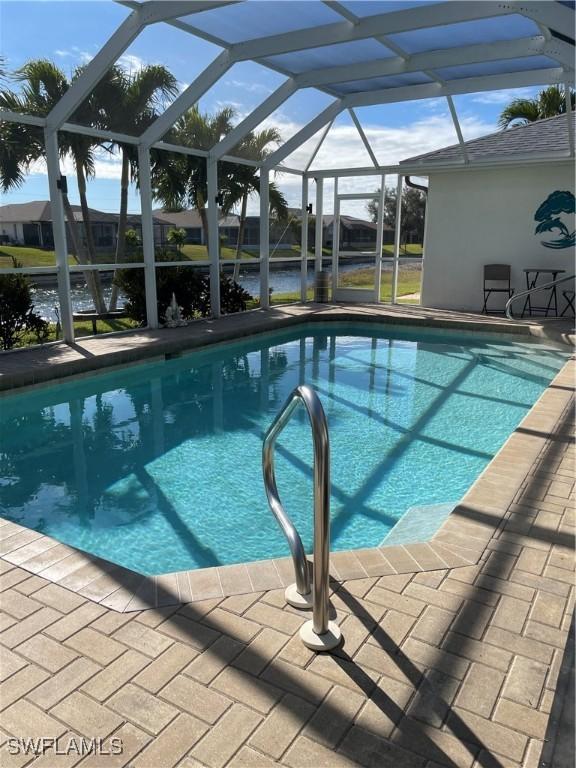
{"points": [[37, 257], [412, 249], [409, 281], [84, 328], [28, 257], [199, 252]]}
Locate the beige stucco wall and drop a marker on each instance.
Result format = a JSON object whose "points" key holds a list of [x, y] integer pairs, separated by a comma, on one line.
{"points": [[483, 217]]}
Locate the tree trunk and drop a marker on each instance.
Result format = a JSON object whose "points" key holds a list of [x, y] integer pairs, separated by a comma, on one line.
{"points": [[122, 220], [204, 220], [98, 299], [78, 247], [240, 243]]}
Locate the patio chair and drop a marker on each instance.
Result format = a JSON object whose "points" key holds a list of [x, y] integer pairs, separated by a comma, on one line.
{"points": [[496, 280]]}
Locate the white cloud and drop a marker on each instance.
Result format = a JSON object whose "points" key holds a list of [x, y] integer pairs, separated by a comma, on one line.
{"points": [[107, 166], [131, 62], [504, 96], [250, 87], [80, 56]]}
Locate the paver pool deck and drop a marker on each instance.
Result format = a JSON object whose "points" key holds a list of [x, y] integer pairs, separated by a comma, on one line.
{"points": [[441, 666]]}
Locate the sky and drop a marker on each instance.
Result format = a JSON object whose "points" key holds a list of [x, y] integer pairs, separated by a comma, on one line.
{"points": [[71, 33]]}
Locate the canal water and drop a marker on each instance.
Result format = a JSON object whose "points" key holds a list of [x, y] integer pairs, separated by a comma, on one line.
{"points": [[282, 280]]}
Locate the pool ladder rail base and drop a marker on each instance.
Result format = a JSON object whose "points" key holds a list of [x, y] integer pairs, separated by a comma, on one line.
{"points": [[319, 634]]}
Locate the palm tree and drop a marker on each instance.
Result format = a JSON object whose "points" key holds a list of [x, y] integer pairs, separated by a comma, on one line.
{"points": [[255, 146], [181, 180], [43, 85], [131, 102], [550, 102]]}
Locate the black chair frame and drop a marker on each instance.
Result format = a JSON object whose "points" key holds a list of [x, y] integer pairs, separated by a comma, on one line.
{"points": [[496, 273]]}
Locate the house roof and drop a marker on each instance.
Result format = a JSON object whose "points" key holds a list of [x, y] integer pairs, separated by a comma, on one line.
{"points": [[544, 136], [351, 222], [41, 210], [189, 219], [37, 210]]}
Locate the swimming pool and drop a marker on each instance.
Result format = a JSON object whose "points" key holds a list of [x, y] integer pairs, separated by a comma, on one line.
{"points": [[157, 467]]}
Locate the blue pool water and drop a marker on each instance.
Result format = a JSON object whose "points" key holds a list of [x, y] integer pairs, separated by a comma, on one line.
{"points": [[157, 467]]}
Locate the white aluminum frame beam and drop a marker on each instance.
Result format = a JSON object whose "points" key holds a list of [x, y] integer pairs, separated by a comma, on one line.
{"points": [[254, 119], [342, 10], [188, 98], [397, 236], [456, 87], [319, 226], [16, 117], [111, 136], [184, 26], [335, 239], [318, 145], [363, 136], [165, 10], [212, 214], [458, 129], [147, 223], [59, 232], [561, 51], [286, 169], [304, 241], [445, 166], [264, 238], [379, 240], [97, 68], [471, 54], [552, 15], [422, 17]]}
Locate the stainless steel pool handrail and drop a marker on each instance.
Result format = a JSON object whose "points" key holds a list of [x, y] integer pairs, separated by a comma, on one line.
{"points": [[530, 291], [322, 634]]}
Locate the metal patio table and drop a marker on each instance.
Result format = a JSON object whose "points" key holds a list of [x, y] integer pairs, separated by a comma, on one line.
{"points": [[532, 275]]}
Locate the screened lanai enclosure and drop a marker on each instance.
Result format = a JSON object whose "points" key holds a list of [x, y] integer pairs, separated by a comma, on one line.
{"points": [[356, 54]]}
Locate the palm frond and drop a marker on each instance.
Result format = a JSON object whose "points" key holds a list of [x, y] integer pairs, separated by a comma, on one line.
{"points": [[550, 102], [278, 203]]}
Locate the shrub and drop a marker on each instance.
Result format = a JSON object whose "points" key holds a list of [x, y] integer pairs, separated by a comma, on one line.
{"points": [[177, 237], [190, 286], [132, 238], [17, 316]]}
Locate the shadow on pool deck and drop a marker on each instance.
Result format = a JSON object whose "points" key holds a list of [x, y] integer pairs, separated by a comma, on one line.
{"points": [[411, 734]]}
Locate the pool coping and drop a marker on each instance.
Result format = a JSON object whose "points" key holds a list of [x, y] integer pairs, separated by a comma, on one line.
{"points": [[460, 541], [43, 365]]}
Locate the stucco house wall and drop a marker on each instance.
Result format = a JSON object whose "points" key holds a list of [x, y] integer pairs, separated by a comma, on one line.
{"points": [[13, 231], [485, 217]]}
